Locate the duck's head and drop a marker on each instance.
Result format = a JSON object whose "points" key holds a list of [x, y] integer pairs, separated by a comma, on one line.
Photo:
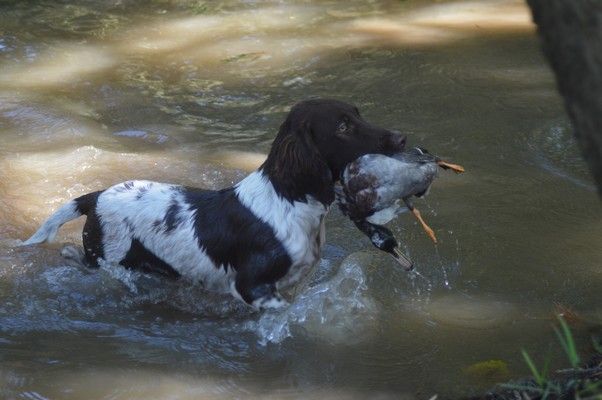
{"points": [[383, 239]]}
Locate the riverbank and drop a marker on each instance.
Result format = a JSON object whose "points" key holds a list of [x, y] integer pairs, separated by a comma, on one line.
{"points": [[583, 381]]}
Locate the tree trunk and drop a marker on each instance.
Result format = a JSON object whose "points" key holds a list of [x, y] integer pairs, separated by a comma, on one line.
{"points": [[571, 34]]}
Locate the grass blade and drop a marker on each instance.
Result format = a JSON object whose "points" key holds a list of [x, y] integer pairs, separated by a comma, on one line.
{"points": [[540, 379], [568, 343], [597, 342]]}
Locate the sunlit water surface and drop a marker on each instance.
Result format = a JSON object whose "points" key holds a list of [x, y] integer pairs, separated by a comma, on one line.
{"points": [[96, 92]]}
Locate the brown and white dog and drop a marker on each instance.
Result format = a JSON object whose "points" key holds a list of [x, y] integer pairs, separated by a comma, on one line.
{"points": [[262, 234]]}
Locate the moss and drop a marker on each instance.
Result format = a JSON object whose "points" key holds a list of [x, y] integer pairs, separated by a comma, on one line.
{"points": [[488, 371]]}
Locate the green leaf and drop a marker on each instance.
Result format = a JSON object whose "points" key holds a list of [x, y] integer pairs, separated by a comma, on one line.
{"points": [[540, 378], [597, 342], [568, 343]]}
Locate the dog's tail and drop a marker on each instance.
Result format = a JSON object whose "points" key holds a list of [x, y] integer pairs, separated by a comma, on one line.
{"points": [[71, 210]]}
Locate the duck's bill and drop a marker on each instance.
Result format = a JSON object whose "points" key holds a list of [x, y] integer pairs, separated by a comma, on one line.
{"points": [[458, 169], [402, 259]]}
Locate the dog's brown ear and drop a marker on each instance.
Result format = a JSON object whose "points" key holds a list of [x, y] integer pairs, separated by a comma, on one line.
{"points": [[296, 152], [296, 167]]}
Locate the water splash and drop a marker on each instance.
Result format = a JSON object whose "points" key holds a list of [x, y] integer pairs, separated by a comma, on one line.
{"points": [[125, 276], [335, 304], [338, 309]]}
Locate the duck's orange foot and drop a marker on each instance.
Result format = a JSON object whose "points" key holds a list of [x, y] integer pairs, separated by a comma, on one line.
{"points": [[426, 228]]}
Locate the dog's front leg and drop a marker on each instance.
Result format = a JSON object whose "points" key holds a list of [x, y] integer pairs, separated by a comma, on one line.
{"points": [[255, 284]]}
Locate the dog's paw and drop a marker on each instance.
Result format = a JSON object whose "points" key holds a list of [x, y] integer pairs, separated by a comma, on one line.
{"points": [[272, 302]]}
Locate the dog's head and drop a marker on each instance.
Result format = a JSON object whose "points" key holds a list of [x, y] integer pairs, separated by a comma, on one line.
{"points": [[315, 143]]}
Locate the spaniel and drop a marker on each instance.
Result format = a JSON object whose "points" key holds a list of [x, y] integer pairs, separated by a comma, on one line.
{"points": [[250, 240]]}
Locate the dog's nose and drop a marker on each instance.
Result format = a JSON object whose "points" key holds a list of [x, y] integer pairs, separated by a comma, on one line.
{"points": [[395, 142]]}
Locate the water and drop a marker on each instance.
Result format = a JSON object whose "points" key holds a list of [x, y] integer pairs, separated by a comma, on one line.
{"points": [[96, 92]]}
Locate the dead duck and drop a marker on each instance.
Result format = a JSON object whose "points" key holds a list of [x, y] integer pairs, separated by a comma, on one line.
{"points": [[374, 184]]}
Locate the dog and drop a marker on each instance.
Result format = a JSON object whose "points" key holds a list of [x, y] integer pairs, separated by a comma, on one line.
{"points": [[252, 239]]}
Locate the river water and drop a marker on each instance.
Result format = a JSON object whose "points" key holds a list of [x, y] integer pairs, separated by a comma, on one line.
{"points": [[96, 92]]}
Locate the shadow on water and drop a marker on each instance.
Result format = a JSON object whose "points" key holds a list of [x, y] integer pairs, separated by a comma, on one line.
{"points": [[95, 93]]}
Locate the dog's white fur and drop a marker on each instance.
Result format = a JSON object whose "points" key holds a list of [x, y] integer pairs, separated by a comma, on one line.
{"points": [[50, 227]]}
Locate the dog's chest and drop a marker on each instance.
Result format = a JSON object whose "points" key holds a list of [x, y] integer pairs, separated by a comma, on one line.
{"points": [[307, 256], [303, 242]]}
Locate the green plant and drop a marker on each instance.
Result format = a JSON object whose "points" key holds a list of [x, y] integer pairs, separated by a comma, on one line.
{"points": [[565, 337], [578, 383], [543, 386], [597, 344], [540, 377], [590, 390]]}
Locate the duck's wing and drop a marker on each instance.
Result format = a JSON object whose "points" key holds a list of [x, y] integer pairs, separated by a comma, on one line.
{"points": [[366, 193], [356, 204], [345, 202], [360, 181]]}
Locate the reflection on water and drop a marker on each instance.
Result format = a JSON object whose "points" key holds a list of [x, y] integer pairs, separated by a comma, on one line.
{"points": [[255, 42], [555, 149], [186, 91]]}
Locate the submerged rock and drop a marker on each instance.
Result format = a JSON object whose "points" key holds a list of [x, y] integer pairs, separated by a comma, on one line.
{"points": [[470, 312]]}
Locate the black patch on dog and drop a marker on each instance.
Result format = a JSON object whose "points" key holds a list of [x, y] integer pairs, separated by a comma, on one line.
{"points": [[172, 218], [141, 192], [128, 223], [228, 231], [232, 236], [92, 233], [140, 258]]}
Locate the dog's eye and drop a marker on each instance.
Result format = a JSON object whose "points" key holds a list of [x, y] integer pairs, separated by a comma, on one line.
{"points": [[342, 127]]}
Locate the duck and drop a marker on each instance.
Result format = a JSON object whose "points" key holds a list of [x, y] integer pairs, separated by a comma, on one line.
{"points": [[375, 188]]}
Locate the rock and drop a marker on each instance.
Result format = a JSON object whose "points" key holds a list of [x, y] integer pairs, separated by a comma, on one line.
{"points": [[470, 312]]}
